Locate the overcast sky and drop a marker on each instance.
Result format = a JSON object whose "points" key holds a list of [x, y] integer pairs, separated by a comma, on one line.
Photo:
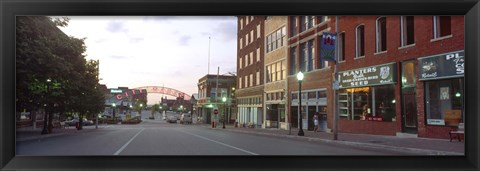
{"points": [[170, 51]]}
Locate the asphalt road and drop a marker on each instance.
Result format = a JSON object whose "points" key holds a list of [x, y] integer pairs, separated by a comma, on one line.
{"points": [[156, 137]]}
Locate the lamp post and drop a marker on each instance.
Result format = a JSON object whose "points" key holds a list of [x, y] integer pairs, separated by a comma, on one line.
{"points": [[300, 78], [45, 128], [224, 100], [113, 106]]}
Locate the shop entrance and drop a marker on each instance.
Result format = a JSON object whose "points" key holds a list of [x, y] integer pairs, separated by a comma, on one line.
{"points": [[409, 113]]}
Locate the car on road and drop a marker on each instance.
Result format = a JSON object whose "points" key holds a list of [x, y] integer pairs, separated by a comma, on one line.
{"points": [[186, 118], [172, 119]]}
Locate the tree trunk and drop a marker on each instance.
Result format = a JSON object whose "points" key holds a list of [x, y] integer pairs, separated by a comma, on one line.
{"points": [[50, 120]]}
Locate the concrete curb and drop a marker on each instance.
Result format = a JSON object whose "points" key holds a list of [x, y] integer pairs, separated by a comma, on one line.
{"points": [[359, 144]]}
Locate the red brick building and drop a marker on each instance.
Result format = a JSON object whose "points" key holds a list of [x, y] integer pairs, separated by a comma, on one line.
{"points": [[304, 34], [400, 74]]}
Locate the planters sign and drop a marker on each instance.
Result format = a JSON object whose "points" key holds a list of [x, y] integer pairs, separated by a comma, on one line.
{"points": [[446, 65], [374, 75]]}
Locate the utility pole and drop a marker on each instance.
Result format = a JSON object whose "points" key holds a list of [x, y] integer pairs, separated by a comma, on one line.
{"points": [[335, 111], [216, 95], [208, 72]]}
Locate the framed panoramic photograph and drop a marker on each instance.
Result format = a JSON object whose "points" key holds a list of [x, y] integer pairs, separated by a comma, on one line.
{"points": [[239, 85]]}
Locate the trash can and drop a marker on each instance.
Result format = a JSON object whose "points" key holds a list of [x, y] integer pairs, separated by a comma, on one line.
{"points": [[323, 122]]}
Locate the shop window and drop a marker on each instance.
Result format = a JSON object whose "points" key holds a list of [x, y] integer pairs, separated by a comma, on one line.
{"points": [[281, 111], [384, 102], [407, 28], [444, 102], [360, 41], [368, 103], [441, 26]]}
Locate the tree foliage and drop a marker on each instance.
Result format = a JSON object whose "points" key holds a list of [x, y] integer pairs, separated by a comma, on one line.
{"points": [[44, 52]]}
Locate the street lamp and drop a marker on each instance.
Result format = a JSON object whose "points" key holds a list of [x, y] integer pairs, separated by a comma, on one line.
{"points": [[113, 106], [300, 78], [224, 100], [45, 129]]}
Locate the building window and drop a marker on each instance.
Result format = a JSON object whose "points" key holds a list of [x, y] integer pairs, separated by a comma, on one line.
{"points": [[293, 60], [246, 60], [268, 73], [304, 57], [251, 36], [322, 94], [441, 26], [276, 39], [444, 102], [258, 31], [311, 56], [360, 41], [307, 22], [407, 27], [278, 71], [240, 64], [245, 78], [258, 78], [251, 80], [381, 34], [247, 20], [321, 19], [251, 58], [284, 70], [258, 54], [240, 82], [246, 40], [241, 43], [293, 26], [241, 24], [341, 46], [312, 95]]}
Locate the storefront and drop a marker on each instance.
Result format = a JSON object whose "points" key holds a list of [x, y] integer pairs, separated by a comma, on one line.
{"points": [[275, 110], [367, 101], [443, 79], [312, 101], [250, 112]]}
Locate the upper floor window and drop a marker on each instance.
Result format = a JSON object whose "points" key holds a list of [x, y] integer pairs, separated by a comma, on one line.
{"points": [[276, 39], [293, 60], [381, 34], [341, 46], [258, 30], [360, 41], [322, 19], [407, 27], [307, 22], [241, 24], [441, 26], [293, 26]]}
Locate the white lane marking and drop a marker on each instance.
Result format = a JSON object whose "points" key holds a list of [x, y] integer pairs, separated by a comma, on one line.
{"points": [[131, 139], [221, 143]]}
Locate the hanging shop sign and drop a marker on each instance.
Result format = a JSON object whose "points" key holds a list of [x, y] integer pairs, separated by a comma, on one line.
{"points": [[368, 76], [445, 65]]}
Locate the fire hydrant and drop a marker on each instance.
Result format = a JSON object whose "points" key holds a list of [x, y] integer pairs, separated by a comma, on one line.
{"points": [[213, 124]]}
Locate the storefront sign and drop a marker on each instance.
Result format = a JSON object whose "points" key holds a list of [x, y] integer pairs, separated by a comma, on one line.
{"points": [[375, 118], [442, 66], [115, 91], [374, 75], [435, 122]]}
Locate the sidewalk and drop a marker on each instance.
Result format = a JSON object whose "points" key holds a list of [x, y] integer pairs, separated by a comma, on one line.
{"points": [[28, 133], [420, 146]]}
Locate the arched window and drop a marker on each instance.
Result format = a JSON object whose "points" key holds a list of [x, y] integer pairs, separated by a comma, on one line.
{"points": [[381, 34], [360, 41]]}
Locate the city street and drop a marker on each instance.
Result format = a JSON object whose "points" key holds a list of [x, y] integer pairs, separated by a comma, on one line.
{"points": [[156, 137]]}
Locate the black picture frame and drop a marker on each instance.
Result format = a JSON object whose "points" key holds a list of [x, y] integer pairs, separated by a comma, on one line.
{"points": [[9, 9]]}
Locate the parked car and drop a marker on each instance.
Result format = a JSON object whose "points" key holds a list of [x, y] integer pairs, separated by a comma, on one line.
{"points": [[186, 118], [172, 119], [74, 122]]}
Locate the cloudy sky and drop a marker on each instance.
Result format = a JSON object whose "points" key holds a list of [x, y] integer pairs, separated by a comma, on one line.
{"points": [[170, 51]]}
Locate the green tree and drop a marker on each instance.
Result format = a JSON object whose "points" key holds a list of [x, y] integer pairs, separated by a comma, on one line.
{"points": [[155, 108]]}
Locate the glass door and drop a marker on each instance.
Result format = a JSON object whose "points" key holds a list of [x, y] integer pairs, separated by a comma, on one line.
{"points": [[409, 104]]}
